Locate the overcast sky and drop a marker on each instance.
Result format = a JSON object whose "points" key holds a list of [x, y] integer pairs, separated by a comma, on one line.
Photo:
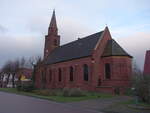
{"points": [[24, 23]]}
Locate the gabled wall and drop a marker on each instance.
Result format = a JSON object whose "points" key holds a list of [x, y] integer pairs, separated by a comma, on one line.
{"points": [[96, 57]]}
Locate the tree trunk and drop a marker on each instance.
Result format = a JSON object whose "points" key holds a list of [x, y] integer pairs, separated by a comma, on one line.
{"points": [[13, 80], [7, 79]]}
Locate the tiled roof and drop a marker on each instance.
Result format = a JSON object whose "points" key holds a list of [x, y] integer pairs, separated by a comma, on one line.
{"points": [[77, 49], [114, 49]]}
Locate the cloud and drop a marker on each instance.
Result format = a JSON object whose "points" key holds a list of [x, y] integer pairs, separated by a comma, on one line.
{"points": [[24, 33], [136, 45], [3, 29], [69, 29], [16, 47]]}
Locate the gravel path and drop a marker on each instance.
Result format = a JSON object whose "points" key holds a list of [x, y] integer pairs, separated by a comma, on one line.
{"points": [[109, 105]]}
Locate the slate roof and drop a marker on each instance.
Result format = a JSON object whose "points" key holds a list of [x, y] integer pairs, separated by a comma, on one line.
{"points": [[77, 49], [114, 49]]}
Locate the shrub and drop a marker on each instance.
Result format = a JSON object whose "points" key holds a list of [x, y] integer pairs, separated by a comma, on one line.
{"points": [[74, 92], [142, 88], [65, 92], [25, 86], [19, 87], [28, 87], [129, 92]]}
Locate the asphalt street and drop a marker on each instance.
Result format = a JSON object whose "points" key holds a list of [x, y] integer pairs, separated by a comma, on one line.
{"points": [[12, 103]]}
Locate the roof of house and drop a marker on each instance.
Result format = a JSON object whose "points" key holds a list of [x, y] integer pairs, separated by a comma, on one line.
{"points": [[25, 71], [114, 49], [77, 49]]}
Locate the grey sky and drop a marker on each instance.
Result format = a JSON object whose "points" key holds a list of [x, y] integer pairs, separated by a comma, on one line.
{"points": [[24, 23]]}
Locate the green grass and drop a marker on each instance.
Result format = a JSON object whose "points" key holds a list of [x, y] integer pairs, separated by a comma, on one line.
{"points": [[59, 98]]}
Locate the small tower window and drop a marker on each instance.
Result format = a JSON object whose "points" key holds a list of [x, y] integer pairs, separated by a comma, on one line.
{"points": [[59, 75], [71, 73], [85, 72], [107, 71]]}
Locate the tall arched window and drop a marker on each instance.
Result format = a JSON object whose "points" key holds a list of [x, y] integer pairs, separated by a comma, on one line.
{"points": [[59, 75], [71, 73], [85, 72], [50, 75], [107, 71], [43, 79], [43, 76]]}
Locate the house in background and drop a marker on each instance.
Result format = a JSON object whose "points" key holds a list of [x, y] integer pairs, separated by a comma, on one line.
{"points": [[6, 81], [147, 63], [94, 63], [24, 74]]}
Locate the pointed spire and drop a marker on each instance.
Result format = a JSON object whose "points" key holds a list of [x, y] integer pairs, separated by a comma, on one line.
{"points": [[53, 23]]}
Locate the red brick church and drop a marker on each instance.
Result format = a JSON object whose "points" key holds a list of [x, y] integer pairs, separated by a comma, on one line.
{"points": [[94, 63]]}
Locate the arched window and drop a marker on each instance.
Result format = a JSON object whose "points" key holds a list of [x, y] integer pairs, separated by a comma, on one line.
{"points": [[86, 72], [71, 73], [99, 82], [59, 75], [43, 79], [50, 75], [43, 76], [107, 71]]}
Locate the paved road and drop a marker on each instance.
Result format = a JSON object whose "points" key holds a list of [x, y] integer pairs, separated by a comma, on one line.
{"points": [[12, 103]]}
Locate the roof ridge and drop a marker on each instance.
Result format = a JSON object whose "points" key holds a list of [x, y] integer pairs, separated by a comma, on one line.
{"points": [[82, 38]]}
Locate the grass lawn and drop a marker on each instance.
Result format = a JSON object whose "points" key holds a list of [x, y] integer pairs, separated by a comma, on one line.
{"points": [[59, 98]]}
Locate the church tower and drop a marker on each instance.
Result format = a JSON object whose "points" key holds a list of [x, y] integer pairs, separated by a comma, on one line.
{"points": [[52, 40]]}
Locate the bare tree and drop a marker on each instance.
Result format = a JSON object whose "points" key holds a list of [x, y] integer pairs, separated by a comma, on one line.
{"points": [[34, 62], [15, 68], [23, 62], [7, 70], [1, 78], [11, 68]]}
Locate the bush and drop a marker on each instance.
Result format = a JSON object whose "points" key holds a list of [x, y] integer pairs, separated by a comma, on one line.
{"points": [[74, 92], [142, 88], [28, 88], [25, 86], [19, 87], [129, 92], [65, 92]]}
